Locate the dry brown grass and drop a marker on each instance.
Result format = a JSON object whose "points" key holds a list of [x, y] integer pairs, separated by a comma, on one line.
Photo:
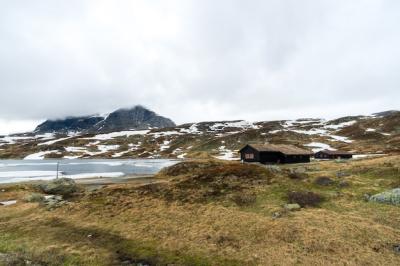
{"points": [[122, 223]]}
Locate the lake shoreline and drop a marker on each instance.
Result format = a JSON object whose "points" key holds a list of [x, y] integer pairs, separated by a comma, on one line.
{"points": [[100, 171]]}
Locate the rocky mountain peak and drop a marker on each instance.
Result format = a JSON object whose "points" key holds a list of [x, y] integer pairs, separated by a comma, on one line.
{"points": [[135, 118]]}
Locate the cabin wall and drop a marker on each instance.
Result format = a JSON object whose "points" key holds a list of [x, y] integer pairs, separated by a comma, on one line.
{"points": [[271, 157], [296, 159], [321, 155], [249, 150]]}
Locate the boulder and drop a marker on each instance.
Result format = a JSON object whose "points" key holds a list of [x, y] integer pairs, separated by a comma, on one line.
{"points": [[276, 215], [53, 202], [34, 197], [61, 186], [292, 207], [388, 197], [274, 168], [396, 248], [298, 173]]}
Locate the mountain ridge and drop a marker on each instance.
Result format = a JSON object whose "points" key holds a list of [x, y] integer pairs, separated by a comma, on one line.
{"points": [[135, 118]]}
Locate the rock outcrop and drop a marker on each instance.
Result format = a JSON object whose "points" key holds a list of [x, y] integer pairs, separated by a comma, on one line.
{"points": [[388, 197]]}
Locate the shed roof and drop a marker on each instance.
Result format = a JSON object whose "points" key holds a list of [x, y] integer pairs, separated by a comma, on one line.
{"points": [[285, 149], [335, 152]]}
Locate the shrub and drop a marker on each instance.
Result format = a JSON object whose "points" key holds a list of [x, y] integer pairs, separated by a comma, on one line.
{"points": [[34, 197], [62, 186], [305, 198], [244, 199], [323, 181]]}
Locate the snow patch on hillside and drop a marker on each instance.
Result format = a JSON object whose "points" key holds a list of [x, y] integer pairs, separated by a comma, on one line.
{"points": [[243, 125], [226, 154], [51, 142], [193, 129], [14, 139], [340, 138], [319, 146], [165, 145], [119, 134], [40, 155], [341, 125]]}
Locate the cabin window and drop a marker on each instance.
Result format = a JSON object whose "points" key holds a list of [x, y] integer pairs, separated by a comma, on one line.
{"points": [[249, 156]]}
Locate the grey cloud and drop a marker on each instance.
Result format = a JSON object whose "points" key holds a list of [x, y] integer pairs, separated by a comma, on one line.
{"points": [[199, 60]]}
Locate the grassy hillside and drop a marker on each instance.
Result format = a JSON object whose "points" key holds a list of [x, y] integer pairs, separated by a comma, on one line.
{"points": [[211, 212]]}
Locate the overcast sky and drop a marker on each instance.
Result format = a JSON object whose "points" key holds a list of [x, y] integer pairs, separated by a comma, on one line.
{"points": [[197, 60]]}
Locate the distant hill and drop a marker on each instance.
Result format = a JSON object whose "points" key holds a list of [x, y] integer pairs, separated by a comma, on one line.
{"points": [[387, 113], [140, 133], [136, 118]]}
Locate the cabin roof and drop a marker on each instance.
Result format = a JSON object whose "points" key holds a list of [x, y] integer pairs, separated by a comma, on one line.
{"points": [[335, 152], [285, 149]]}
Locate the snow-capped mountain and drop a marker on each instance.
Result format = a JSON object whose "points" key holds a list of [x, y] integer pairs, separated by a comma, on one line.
{"points": [[135, 118], [377, 133]]}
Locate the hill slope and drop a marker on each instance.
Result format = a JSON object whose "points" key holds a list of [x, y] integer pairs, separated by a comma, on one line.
{"points": [[378, 133]]}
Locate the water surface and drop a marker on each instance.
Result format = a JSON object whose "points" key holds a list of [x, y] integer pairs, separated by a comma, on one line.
{"points": [[28, 170]]}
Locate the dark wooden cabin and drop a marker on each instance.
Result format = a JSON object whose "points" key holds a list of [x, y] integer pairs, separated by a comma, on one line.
{"points": [[272, 153], [331, 155]]}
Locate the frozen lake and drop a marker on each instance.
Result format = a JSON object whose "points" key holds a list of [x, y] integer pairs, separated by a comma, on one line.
{"points": [[12, 171]]}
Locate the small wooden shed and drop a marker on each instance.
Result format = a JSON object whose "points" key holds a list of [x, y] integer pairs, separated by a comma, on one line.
{"points": [[331, 155], [274, 153]]}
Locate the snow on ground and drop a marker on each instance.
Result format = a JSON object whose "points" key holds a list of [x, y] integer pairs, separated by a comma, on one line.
{"points": [[13, 139], [182, 156], [119, 134], [226, 154], [370, 130], [273, 131], [288, 123], [321, 131], [107, 148], [39, 155], [71, 157], [119, 154], [191, 130], [8, 202], [307, 121], [165, 133], [318, 146], [45, 136], [51, 142], [132, 147], [313, 131], [340, 138], [75, 149], [341, 125], [244, 125], [165, 145], [93, 143]]}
